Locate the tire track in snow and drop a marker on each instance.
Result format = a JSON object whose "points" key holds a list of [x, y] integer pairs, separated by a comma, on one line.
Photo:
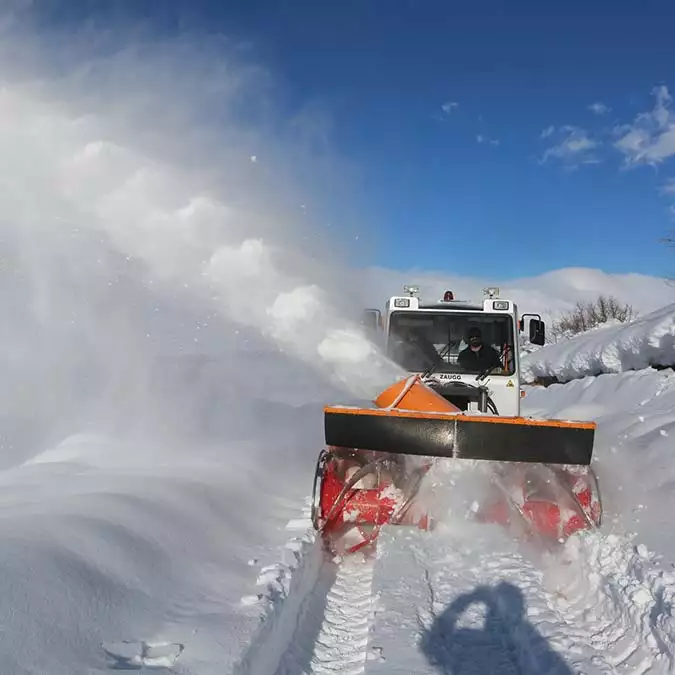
{"points": [[317, 613], [342, 643]]}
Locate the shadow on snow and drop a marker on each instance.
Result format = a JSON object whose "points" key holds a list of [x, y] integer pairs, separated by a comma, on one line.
{"points": [[486, 632]]}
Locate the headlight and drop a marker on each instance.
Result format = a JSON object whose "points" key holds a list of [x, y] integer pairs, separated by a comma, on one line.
{"points": [[402, 302], [500, 304]]}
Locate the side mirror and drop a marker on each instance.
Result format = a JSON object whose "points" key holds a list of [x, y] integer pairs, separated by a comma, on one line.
{"points": [[537, 332], [537, 328], [372, 319]]}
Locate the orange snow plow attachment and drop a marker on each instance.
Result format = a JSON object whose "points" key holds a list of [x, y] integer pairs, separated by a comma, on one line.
{"points": [[375, 460]]}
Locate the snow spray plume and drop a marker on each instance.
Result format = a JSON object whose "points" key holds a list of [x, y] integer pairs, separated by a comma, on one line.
{"points": [[136, 225]]}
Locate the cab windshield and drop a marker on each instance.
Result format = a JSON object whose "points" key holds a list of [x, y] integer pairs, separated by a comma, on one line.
{"points": [[419, 340]]}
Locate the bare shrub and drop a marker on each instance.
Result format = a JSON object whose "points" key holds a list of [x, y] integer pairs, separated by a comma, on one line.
{"points": [[588, 315]]}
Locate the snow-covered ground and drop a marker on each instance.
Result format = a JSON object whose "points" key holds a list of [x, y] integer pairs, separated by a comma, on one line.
{"points": [[171, 329]]}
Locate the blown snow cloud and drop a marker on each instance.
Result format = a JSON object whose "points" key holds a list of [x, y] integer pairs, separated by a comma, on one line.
{"points": [[193, 216]]}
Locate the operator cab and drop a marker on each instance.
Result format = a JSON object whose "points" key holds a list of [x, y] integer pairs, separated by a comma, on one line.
{"points": [[467, 351]]}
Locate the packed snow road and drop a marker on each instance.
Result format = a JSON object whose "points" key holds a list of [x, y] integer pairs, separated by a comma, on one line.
{"points": [[470, 599], [471, 602]]}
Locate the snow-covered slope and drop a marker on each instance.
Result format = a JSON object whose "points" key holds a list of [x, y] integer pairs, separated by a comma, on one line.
{"points": [[642, 343]]}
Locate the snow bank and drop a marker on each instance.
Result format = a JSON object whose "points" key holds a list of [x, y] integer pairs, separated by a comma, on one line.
{"points": [[647, 341], [94, 556]]}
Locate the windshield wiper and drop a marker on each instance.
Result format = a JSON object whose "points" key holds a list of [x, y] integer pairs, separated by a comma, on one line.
{"points": [[484, 373], [488, 371], [441, 355]]}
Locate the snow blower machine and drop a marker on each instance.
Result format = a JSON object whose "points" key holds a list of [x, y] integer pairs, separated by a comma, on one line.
{"points": [[460, 401]]}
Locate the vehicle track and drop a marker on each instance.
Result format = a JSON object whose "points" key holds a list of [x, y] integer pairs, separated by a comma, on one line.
{"points": [[341, 645], [467, 603], [318, 614]]}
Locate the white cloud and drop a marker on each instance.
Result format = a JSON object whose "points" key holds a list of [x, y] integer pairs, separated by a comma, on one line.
{"points": [[650, 139], [484, 140], [547, 132], [668, 188], [599, 108], [449, 106], [574, 148]]}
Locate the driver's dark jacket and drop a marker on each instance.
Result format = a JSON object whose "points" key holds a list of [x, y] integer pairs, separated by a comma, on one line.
{"points": [[484, 358]]}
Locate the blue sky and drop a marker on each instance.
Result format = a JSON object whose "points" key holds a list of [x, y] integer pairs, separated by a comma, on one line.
{"points": [[488, 137]]}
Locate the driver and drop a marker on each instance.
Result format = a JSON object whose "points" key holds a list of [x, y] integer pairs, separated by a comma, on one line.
{"points": [[478, 357]]}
